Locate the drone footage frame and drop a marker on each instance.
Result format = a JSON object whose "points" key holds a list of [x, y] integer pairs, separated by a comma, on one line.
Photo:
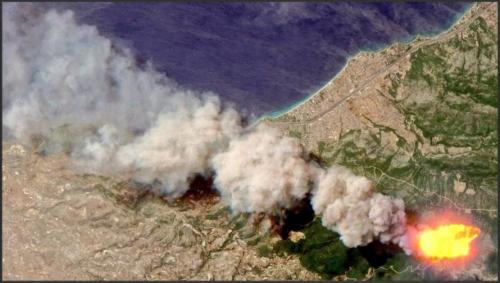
{"points": [[236, 141]]}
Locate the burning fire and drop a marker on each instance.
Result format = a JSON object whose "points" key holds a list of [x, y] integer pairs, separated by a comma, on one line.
{"points": [[447, 241], [444, 239]]}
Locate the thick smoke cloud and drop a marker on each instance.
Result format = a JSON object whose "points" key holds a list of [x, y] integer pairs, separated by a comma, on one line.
{"points": [[70, 87], [350, 206], [262, 171], [180, 144], [67, 88]]}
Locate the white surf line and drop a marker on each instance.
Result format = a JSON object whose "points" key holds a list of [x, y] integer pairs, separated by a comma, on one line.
{"points": [[427, 40]]}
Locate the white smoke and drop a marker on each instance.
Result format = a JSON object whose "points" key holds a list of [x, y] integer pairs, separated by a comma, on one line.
{"points": [[262, 171], [57, 72], [71, 89], [69, 85], [349, 205], [180, 144]]}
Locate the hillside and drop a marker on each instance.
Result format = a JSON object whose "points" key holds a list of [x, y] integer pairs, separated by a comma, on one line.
{"points": [[60, 224], [419, 118]]}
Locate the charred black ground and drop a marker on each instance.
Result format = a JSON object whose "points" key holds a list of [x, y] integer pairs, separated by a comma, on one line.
{"points": [[201, 187], [294, 219], [377, 253]]}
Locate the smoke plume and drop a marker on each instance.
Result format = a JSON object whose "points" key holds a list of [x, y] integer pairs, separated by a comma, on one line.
{"points": [[180, 144], [68, 89], [262, 171], [349, 205]]}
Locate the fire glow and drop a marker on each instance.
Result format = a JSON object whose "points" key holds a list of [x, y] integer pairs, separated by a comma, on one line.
{"points": [[447, 241]]}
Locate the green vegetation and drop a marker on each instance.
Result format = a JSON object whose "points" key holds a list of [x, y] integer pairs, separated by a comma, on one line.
{"points": [[264, 250], [395, 83], [449, 100], [323, 252], [239, 221], [219, 213], [295, 134]]}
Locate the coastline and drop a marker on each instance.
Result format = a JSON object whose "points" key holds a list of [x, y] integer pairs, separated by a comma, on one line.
{"points": [[410, 40]]}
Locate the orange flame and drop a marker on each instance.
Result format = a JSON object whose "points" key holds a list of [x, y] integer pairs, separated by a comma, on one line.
{"points": [[448, 241]]}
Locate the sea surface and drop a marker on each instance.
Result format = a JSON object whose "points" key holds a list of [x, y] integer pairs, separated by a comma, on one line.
{"points": [[263, 57]]}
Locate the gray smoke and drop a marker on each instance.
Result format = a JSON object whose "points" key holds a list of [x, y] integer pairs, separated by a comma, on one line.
{"points": [[67, 88]]}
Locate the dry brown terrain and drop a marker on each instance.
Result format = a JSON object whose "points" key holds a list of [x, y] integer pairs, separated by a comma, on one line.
{"points": [[59, 224]]}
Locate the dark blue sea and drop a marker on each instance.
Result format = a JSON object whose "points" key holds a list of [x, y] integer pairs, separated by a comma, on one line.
{"points": [[261, 56]]}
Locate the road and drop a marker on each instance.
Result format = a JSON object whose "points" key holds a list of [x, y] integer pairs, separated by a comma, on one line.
{"points": [[365, 83]]}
